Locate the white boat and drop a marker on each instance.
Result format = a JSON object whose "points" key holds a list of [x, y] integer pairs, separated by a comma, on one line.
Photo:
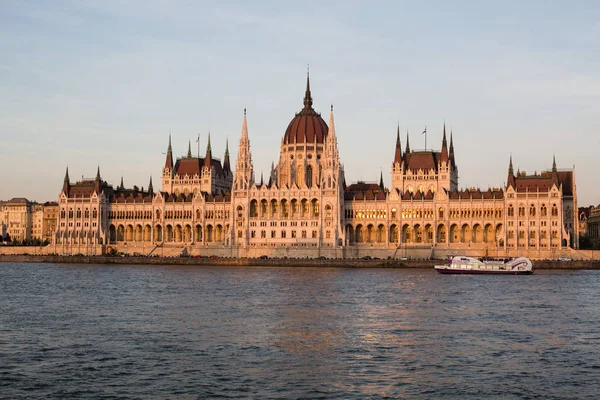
{"points": [[471, 265]]}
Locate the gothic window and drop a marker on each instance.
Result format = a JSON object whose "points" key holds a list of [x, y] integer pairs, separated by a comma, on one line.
{"points": [[293, 234], [95, 213], [394, 213], [239, 234], [70, 213], [62, 213], [521, 211], [511, 211], [441, 213], [240, 212], [263, 234], [303, 234], [543, 210], [328, 234], [283, 234], [554, 210], [328, 211], [532, 211], [309, 177], [253, 209]]}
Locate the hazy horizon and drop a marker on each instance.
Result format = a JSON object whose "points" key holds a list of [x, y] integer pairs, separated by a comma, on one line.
{"points": [[103, 83]]}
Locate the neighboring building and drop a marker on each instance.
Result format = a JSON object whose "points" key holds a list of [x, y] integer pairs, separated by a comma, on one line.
{"points": [[16, 215], [37, 217], [49, 221], [593, 226], [306, 203]]}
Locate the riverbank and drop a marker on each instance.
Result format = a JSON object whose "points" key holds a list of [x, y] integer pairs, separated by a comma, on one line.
{"points": [[269, 262]]}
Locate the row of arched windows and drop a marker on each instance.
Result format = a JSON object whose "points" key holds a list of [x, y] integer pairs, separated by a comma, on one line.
{"points": [[543, 211]]}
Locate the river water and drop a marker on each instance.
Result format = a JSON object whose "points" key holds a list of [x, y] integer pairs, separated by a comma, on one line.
{"points": [[148, 332]]}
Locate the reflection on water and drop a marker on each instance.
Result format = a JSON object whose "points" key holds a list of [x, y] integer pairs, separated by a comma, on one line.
{"points": [[207, 332]]}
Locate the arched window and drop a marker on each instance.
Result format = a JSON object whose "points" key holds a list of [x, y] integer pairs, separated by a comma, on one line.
{"points": [[511, 211], [532, 211], [554, 210], [95, 213], [441, 212], [309, 176], [394, 213], [543, 210]]}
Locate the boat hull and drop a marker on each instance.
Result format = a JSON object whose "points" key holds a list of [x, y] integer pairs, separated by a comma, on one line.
{"points": [[457, 271]]}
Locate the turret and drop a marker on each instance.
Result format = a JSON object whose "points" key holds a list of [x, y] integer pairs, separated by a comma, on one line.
{"points": [[407, 145], [451, 154], [208, 157], [97, 181], [66, 183], [169, 158], [398, 151], [150, 188], [226, 165], [445, 157], [510, 181], [381, 181], [243, 166]]}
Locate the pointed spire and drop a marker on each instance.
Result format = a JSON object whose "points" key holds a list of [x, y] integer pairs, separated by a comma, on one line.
{"points": [[208, 157], [398, 151], [262, 181], [66, 182], [307, 96], [169, 158], [444, 145], [554, 170], [510, 167], [98, 174], [226, 164], [121, 186], [407, 144], [189, 154], [381, 181], [331, 124], [150, 188], [245, 126], [451, 154]]}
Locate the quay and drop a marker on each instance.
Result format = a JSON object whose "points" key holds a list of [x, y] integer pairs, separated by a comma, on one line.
{"points": [[271, 262]]}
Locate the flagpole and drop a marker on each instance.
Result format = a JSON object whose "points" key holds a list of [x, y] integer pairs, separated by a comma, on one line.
{"points": [[198, 142]]}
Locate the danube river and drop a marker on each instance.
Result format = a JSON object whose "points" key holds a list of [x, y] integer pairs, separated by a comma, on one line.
{"points": [[149, 332]]}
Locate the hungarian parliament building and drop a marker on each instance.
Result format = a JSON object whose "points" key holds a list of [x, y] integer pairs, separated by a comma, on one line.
{"points": [[306, 208]]}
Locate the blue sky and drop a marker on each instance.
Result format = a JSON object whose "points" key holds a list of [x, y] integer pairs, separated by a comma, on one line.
{"points": [[87, 83]]}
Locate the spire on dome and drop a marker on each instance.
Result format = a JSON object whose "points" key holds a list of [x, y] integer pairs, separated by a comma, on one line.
{"points": [[398, 151], [331, 124], [307, 96]]}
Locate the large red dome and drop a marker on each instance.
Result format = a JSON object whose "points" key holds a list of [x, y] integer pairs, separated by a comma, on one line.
{"points": [[307, 126]]}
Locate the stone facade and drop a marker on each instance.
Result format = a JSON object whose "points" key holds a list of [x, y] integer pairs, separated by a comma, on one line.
{"points": [[16, 218], [307, 209]]}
